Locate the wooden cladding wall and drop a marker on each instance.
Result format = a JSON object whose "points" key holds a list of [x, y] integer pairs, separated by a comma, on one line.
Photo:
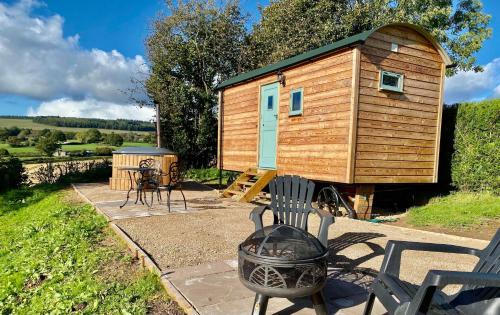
{"points": [[120, 179], [397, 133], [313, 145]]}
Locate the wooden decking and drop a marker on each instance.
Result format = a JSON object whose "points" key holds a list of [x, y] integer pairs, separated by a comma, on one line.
{"points": [[249, 184]]}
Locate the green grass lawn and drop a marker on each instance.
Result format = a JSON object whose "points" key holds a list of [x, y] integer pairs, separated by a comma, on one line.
{"points": [[58, 256], [67, 147], [208, 175], [29, 124], [456, 210]]}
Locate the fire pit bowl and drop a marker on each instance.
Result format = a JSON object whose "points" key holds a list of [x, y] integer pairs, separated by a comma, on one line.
{"points": [[282, 261]]}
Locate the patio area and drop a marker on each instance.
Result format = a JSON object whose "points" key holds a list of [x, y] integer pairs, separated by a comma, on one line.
{"points": [[196, 249]]}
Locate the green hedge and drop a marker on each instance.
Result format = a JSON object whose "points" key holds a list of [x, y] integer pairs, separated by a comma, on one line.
{"points": [[12, 173], [475, 165]]}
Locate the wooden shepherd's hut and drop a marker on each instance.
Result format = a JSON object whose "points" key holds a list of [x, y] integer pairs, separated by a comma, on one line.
{"points": [[364, 110]]}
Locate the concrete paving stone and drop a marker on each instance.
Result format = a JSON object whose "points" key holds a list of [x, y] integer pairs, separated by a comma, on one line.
{"points": [[354, 305], [212, 289], [276, 306], [183, 274]]}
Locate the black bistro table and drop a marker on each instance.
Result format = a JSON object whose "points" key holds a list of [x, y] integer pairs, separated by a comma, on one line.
{"points": [[136, 175]]}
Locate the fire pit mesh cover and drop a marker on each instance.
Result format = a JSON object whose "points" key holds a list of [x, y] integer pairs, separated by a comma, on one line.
{"points": [[283, 242], [283, 260]]}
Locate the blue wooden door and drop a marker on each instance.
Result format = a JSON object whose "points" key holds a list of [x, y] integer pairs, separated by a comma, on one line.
{"points": [[268, 125]]}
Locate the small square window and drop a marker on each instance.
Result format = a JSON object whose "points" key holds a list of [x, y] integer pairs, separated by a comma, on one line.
{"points": [[296, 100], [270, 102], [391, 81], [394, 47]]}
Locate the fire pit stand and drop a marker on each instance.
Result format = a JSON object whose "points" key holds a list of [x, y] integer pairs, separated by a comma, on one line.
{"points": [[283, 261]]}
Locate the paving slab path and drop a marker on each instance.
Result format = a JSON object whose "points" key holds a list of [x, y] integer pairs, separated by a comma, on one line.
{"points": [[196, 250]]}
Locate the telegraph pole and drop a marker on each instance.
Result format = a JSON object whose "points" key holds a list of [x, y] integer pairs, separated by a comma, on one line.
{"points": [[158, 129]]}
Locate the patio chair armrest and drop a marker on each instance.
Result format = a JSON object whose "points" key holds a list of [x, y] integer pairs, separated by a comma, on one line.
{"points": [[440, 278], [393, 251], [327, 219], [256, 216]]}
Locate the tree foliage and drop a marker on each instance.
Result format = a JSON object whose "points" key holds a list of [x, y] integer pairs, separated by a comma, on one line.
{"points": [[48, 145], [290, 27], [73, 122], [90, 136], [58, 135], [113, 139], [190, 51]]}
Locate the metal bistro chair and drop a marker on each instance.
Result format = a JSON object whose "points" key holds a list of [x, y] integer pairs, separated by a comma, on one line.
{"points": [[144, 181], [174, 182], [479, 295]]}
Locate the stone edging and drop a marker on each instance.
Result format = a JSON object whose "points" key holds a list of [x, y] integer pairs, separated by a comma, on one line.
{"points": [[146, 261]]}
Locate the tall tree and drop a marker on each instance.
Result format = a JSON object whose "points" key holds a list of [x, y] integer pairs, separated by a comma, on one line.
{"points": [[48, 145], [290, 27], [191, 50]]}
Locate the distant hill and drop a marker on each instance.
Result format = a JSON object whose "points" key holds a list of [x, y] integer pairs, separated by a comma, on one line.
{"points": [[76, 124]]}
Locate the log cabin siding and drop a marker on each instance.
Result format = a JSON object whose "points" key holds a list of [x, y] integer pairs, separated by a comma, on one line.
{"points": [[314, 144], [397, 133], [322, 130], [350, 131]]}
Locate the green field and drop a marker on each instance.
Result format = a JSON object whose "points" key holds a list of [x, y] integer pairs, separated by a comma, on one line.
{"points": [[25, 151], [29, 124]]}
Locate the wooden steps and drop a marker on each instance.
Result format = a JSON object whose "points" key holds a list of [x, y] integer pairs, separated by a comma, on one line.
{"points": [[249, 184]]}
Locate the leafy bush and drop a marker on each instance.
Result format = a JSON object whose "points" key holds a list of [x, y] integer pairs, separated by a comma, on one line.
{"points": [[4, 152], [89, 136], [58, 135], [476, 160], [77, 153], [113, 139], [103, 151], [209, 175], [12, 173], [16, 142], [73, 171], [48, 145]]}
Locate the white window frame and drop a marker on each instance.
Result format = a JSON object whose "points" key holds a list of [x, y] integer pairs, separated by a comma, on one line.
{"points": [[384, 87], [300, 111]]}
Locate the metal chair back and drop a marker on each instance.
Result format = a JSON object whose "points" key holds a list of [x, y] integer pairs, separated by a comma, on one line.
{"points": [[149, 177], [291, 198], [174, 174], [150, 163]]}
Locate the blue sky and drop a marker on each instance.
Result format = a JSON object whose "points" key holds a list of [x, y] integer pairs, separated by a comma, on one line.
{"points": [[104, 42]]}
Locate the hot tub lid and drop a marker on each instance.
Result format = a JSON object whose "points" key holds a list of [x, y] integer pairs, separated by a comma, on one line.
{"points": [[144, 151]]}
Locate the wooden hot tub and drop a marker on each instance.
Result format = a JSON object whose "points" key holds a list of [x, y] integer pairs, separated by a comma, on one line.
{"points": [[131, 156]]}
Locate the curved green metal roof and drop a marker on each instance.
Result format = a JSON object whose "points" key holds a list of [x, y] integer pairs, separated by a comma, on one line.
{"points": [[346, 42]]}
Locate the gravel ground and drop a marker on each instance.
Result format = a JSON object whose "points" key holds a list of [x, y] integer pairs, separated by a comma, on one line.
{"points": [[182, 240], [214, 228]]}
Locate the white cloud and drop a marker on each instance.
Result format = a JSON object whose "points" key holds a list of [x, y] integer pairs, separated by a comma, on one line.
{"points": [[471, 86], [38, 62], [91, 108]]}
